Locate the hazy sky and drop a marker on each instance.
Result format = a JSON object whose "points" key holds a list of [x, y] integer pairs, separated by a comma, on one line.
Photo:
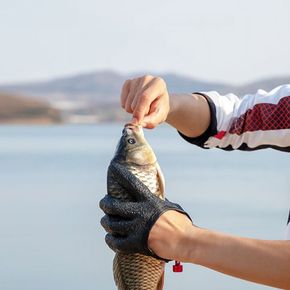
{"points": [[224, 40]]}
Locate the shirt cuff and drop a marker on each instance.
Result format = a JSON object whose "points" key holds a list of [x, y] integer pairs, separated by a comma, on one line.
{"points": [[210, 131]]}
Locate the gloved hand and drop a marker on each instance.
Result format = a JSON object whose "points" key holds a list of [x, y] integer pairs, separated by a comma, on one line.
{"points": [[128, 223]]}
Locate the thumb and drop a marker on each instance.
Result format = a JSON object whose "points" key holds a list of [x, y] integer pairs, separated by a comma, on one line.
{"points": [[135, 187], [151, 121], [155, 115]]}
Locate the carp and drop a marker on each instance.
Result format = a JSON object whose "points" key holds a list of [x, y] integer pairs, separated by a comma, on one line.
{"points": [[137, 271]]}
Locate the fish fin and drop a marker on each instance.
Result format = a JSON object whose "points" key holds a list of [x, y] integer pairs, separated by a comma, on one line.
{"points": [[160, 284], [161, 180]]}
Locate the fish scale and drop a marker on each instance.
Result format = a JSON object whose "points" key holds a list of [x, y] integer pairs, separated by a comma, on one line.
{"points": [[137, 271], [148, 176], [125, 266]]}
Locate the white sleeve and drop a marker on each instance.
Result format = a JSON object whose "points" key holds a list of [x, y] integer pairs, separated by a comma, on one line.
{"points": [[257, 121]]}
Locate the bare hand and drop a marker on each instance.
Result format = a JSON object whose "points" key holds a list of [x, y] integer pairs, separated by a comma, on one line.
{"points": [[169, 236], [147, 99]]}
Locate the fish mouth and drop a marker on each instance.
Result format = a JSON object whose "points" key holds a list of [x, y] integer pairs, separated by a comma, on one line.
{"points": [[130, 129]]}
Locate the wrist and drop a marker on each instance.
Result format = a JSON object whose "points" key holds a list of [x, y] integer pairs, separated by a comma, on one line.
{"points": [[173, 108], [169, 237], [202, 245], [189, 114], [188, 246]]}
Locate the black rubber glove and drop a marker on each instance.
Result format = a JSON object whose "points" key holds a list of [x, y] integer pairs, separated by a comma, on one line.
{"points": [[128, 223]]}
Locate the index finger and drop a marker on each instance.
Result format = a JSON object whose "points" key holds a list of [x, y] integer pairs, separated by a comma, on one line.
{"points": [[117, 207], [147, 97]]}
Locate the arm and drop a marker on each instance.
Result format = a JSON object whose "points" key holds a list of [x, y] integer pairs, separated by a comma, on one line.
{"points": [[169, 234], [264, 262], [211, 120], [257, 121], [189, 114], [147, 99]]}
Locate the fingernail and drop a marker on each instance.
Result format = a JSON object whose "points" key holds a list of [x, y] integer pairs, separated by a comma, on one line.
{"points": [[144, 124]]}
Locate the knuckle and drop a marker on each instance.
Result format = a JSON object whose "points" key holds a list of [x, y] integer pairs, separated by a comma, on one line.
{"points": [[104, 222], [126, 84], [160, 81], [101, 204], [109, 241], [147, 77], [113, 242], [107, 204], [128, 108], [135, 80], [133, 106], [145, 96]]}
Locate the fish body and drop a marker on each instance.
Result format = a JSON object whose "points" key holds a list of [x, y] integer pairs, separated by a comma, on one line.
{"points": [[137, 271]]}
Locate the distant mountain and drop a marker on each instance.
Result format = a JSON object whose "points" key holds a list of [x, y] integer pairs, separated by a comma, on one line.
{"points": [[14, 109], [103, 87], [100, 87], [264, 84]]}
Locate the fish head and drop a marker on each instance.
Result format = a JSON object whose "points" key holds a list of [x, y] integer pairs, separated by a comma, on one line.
{"points": [[133, 147]]}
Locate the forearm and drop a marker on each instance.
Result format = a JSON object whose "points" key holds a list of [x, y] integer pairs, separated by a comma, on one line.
{"points": [[260, 261], [189, 114]]}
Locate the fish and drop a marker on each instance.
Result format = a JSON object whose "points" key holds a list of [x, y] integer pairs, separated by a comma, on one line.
{"points": [[137, 271]]}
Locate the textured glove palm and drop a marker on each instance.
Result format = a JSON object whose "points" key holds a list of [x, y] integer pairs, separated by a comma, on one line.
{"points": [[128, 223]]}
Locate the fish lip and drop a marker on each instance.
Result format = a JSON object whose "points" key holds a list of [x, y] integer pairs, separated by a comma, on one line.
{"points": [[132, 127]]}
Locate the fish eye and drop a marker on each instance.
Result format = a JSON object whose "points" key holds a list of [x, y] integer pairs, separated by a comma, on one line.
{"points": [[131, 141]]}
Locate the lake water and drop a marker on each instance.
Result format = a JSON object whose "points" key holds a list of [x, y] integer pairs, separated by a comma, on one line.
{"points": [[51, 178]]}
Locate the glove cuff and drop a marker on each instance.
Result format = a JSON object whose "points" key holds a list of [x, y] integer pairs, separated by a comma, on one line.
{"points": [[154, 218]]}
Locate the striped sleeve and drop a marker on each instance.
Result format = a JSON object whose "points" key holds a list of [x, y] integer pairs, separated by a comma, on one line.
{"points": [[257, 121]]}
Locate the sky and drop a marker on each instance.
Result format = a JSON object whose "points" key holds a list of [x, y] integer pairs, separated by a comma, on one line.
{"points": [[227, 41]]}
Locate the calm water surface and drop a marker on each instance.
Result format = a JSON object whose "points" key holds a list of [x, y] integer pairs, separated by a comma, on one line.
{"points": [[51, 179]]}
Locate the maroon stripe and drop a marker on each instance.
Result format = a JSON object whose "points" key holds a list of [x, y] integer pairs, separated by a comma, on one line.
{"points": [[263, 117]]}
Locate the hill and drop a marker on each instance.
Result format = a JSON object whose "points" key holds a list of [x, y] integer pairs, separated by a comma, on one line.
{"points": [[103, 87], [265, 84], [94, 97], [100, 87], [15, 109]]}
